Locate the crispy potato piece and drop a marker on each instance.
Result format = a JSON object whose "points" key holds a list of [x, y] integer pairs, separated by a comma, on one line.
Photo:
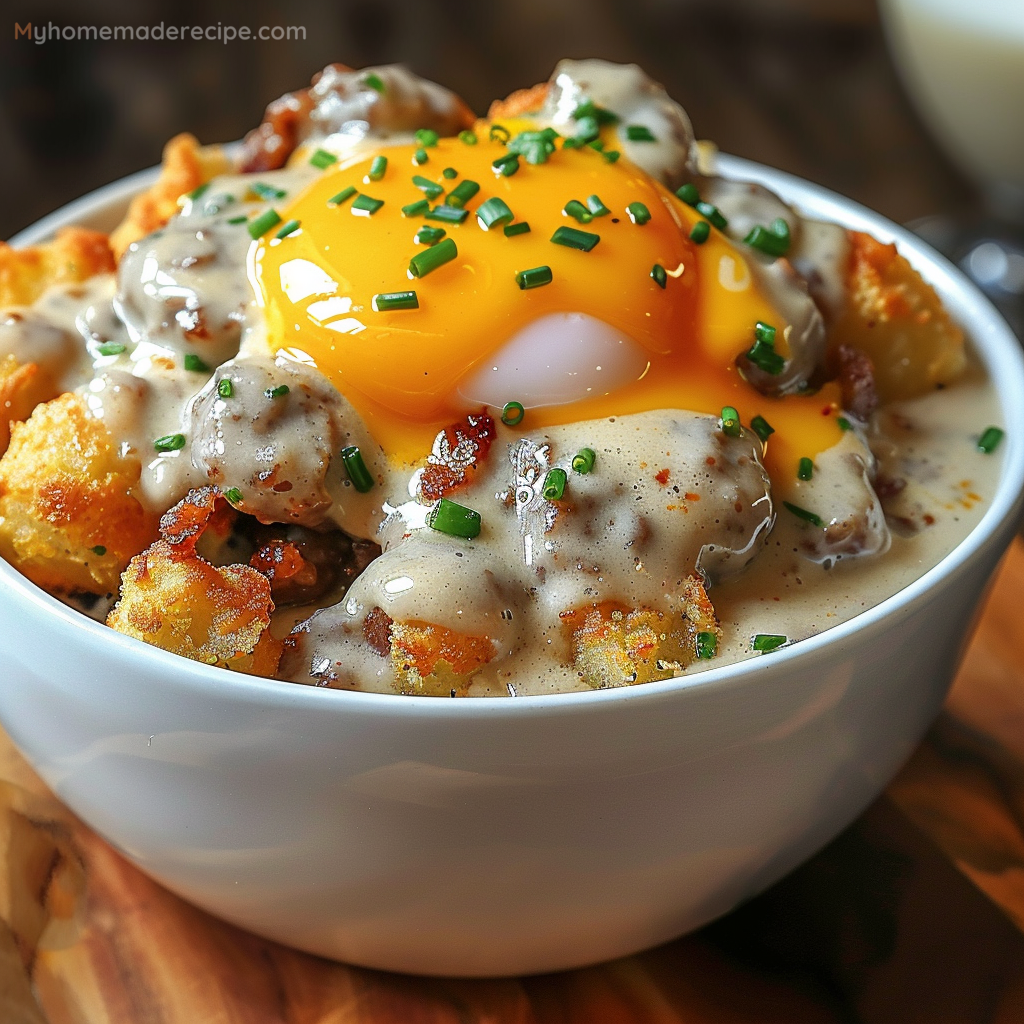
{"points": [[186, 165], [22, 388], [431, 660], [74, 255], [173, 599], [520, 102], [897, 319], [176, 600], [613, 646], [68, 518], [428, 660]]}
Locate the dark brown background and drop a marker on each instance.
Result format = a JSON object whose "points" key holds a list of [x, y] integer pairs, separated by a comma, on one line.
{"points": [[805, 85]]}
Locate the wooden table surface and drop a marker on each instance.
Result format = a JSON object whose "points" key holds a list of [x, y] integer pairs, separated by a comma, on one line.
{"points": [[914, 914]]}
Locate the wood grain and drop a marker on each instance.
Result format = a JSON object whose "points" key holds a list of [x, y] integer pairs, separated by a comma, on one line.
{"points": [[915, 913]]}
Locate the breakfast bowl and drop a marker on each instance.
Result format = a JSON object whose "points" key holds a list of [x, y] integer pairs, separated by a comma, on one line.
{"points": [[514, 835]]}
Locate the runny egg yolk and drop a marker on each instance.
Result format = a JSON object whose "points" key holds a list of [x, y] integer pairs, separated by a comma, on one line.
{"points": [[401, 369]]}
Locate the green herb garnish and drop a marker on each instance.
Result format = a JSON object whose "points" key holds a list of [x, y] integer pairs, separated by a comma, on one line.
{"points": [[352, 459], [169, 443], [804, 469], [572, 238], [706, 645], [583, 461], [760, 426], [263, 223], [279, 392], [512, 414], [638, 213], [989, 441], [639, 133], [454, 519], [534, 277], [194, 364], [730, 422], [802, 513], [493, 212], [554, 484], [658, 275], [429, 260], [322, 159], [386, 301], [767, 642], [343, 196]]}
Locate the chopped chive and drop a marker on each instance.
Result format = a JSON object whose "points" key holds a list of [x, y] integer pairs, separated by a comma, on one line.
{"points": [[429, 236], [572, 143], [596, 144], [385, 301], [588, 108], [767, 242], [429, 188], [512, 414], [583, 461], [506, 165], [760, 426], [639, 133], [587, 128], [989, 441], [575, 209], [762, 354], [268, 192], [534, 277], [169, 443], [493, 212], [802, 513], [499, 133], [194, 364], [450, 172], [112, 348], [700, 232], [426, 137], [638, 213], [730, 421], [233, 495], [225, 388], [804, 469], [420, 157], [689, 194], [768, 642], [554, 485], [343, 196], [352, 459], [378, 166], [596, 207], [365, 206], [279, 392], [322, 159], [534, 147], [713, 214], [238, 220], [99, 550], [522, 228], [375, 82], [843, 423], [706, 645], [263, 223], [658, 275], [198, 191], [430, 259], [416, 209], [448, 214], [611, 155], [467, 138], [572, 238], [454, 519], [287, 229], [462, 193]]}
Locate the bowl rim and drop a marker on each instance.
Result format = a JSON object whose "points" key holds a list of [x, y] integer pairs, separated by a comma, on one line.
{"points": [[997, 347]]}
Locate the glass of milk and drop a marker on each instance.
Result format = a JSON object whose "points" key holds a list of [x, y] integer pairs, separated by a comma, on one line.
{"points": [[963, 64]]}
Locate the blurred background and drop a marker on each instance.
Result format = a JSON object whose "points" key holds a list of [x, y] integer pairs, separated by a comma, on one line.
{"points": [[805, 85]]}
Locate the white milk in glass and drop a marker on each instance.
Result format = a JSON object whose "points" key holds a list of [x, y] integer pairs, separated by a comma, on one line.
{"points": [[963, 62]]}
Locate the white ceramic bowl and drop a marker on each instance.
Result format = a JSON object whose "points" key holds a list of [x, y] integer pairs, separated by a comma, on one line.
{"points": [[505, 836]]}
